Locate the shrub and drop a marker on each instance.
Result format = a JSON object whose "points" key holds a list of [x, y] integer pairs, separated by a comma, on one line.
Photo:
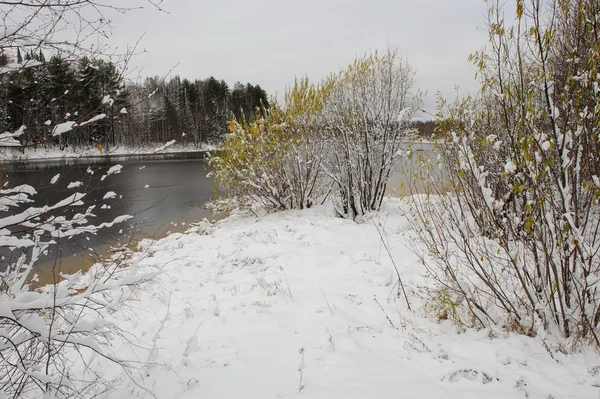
{"points": [[368, 119], [518, 236], [275, 157]]}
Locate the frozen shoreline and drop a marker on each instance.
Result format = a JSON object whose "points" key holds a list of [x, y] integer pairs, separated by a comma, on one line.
{"points": [[8, 155]]}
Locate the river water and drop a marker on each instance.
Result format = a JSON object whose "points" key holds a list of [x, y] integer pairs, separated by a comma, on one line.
{"points": [[161, 195]]}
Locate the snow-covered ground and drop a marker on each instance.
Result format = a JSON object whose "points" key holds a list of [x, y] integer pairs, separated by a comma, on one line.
{"points": [[33, 153], [244, 304]]}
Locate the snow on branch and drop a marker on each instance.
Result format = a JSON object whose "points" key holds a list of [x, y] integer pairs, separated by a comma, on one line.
{"points": [[65, 127], [7, 139]]}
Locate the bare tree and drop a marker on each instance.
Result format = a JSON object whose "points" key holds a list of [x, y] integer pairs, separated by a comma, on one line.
{"points": [[368, 114], [69, 27]]}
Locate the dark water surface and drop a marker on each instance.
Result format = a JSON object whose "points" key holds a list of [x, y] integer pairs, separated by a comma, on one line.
{"points": [[177, 191]]}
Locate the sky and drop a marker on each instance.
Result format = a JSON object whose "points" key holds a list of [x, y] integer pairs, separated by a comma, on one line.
{"points": [[270, 42]]}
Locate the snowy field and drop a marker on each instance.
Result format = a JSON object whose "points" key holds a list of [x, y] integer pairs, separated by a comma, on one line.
{"points": [[32, 153], [265, 307]]}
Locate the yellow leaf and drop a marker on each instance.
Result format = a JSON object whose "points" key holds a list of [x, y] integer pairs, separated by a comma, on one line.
{"points": [[519, 9], [42, 314], [99, 147]]}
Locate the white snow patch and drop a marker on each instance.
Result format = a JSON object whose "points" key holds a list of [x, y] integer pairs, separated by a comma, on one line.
{"points": [[94, 119], [510, 167], [107, 100], [546, 145], [75, 184], [245, 303], [63, 128], [7, 139]]}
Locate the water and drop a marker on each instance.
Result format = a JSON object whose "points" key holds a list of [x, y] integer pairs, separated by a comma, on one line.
{"points": [[405, 179], [177, 192]]}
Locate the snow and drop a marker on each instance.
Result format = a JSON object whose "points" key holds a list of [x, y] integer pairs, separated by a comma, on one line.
{"points": [[510, 167], [109, 195], [107, 100], [546, 145], [114, 169], [16, 66], [164, 146], [7, 139], [94, 119], [30, 153], [74, 184], [63, 128], [255, 307]]}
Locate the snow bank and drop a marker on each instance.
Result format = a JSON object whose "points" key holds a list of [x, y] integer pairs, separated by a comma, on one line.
{"points": [[238, 301], [30, 153]]}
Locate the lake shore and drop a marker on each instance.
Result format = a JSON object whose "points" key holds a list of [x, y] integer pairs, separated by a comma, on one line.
{"points": [[91, 153], [95, 154]]}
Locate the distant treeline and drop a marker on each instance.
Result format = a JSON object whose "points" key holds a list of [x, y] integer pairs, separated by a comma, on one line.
{"points": [[57, 91]]}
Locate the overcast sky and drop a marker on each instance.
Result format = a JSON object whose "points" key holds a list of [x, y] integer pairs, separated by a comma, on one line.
{"points": [[269, 42]]}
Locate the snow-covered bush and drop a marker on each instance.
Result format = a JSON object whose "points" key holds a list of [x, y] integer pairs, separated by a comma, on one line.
{"points": [[368, 114], [348, 132], [516, 241], [45, 332], [275, 157]]}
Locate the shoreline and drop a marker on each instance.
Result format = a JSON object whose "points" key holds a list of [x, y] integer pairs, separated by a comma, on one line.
{"points": [[105, 159], [13, 155], [93, 155]]}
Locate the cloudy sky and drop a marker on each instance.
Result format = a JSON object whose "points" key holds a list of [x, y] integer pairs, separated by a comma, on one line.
{"points": [[269, 42]]}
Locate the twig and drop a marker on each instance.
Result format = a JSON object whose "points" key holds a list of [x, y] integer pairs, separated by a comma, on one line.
{"points": [[384, 312], [393, 263], [326, 301], [331, 340]]}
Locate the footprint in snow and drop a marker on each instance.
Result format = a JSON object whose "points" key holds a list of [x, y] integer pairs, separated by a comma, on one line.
{"points": [[470, 374]]}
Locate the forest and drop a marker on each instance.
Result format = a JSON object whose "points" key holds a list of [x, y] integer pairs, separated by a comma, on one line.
{"points": [[152, 110]]}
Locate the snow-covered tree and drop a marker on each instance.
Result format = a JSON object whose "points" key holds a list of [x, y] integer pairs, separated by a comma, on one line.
{"points": [[44, 333], [368, 113]]}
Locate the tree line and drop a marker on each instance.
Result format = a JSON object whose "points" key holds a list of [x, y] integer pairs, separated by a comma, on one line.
{"points": [[57, 91]]}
